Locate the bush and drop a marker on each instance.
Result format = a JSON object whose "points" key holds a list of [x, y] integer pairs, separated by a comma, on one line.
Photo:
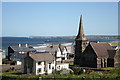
{"points": [[115, 71], [4, 61], [77, 70], [64, 71], [12, 62]]}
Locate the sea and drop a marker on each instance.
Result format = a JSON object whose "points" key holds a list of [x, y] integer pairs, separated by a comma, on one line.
{"points": [[5, 42]]}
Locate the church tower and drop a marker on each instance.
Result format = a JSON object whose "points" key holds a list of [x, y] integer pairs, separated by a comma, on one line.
{"points": [[80, 43]]}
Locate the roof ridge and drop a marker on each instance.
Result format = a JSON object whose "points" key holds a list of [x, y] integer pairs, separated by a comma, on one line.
{"points": [[94, 49]]}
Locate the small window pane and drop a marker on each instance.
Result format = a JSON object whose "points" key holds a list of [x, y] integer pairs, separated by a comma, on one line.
{"points": [[39, 63], [39, 70]]}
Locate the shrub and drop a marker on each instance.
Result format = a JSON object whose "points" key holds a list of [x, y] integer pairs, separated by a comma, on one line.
{"points": [[64, 71], [12, 62], [77, 70]]}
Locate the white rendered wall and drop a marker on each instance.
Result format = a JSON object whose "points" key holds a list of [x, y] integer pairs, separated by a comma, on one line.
{"points": [[19, 62], [40, 66], [62, 66]]}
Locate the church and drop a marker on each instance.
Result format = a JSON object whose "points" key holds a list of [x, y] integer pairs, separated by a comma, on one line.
{"points": [[93, 54]]}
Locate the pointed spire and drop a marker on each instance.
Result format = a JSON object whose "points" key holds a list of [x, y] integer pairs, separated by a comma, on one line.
{"points": [[81, 35]]}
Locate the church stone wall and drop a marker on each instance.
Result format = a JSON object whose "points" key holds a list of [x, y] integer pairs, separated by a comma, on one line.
{"points": [[117, 59]]}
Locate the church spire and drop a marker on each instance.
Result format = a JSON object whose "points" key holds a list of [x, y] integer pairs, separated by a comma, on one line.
{"points": [[81, 35]]}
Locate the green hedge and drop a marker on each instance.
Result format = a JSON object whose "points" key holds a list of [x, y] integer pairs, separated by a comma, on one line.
{"points": [[12, 62], [77, 70]]}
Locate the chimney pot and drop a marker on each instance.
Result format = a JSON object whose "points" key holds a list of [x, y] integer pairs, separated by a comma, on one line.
{"points": [[26, 45], [19, 45]]}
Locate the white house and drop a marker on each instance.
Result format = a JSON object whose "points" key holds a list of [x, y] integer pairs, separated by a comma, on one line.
{"points": [[41, 63], [62, 66], [38, 63], [59, 51]]}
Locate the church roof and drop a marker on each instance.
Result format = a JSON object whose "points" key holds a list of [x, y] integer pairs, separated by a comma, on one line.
{"points": [[111, 53], [101, 49], [81, 35]]}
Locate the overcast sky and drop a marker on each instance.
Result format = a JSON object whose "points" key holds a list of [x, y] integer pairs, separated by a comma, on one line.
{"points": [[59, 18]]}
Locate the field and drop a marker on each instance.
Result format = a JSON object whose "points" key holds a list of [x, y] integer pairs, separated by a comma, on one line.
{"points": [[112, 74], [115, 43]]}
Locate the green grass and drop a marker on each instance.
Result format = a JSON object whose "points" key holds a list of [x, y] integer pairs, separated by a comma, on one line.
{"points": [[115, 43], [114, 73], [71, 63]]}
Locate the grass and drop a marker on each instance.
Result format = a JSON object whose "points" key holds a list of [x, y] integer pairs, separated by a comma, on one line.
{"points": [[115, 43], [114, 73], [71, 63]]}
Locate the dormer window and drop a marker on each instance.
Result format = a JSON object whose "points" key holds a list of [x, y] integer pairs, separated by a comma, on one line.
{"points": [[21, 52]]}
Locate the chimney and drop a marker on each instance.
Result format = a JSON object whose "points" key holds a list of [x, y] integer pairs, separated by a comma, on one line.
{"points": [[59, 45], [19, 45], [28, 54], [51, 46], [98, 42], [26, 45]]}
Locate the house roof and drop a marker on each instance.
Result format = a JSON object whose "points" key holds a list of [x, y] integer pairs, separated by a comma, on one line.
{"points": [[18, 55], [42, 57], [22, 48], [101, 49], [54, 48]]}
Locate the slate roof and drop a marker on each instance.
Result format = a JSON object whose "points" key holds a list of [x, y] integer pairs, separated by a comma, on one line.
{"points": [[42, 57], [54, 48], [101, 49], [18, 55], [111, 53], [22, 48]]}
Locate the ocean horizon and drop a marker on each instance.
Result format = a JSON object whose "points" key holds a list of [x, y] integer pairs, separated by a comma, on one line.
{"points": [[38, 41]]}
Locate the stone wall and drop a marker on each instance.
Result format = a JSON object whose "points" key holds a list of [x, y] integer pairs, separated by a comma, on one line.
{"points": [[117, 59]]}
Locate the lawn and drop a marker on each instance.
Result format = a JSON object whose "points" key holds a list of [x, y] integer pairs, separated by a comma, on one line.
{"points": [[115, 43], [113, 74]]}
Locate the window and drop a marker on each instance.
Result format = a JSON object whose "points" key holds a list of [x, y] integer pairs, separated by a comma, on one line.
{"points": [[39, 63], [20, 52], [39, 70], [53, 67], [49, 65]]}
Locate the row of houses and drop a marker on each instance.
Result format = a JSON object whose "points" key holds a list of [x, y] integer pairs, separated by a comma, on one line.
{"points": [[42, 60]]}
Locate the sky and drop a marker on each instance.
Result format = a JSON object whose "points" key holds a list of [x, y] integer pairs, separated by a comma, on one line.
{"points": [[23, 19]]}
